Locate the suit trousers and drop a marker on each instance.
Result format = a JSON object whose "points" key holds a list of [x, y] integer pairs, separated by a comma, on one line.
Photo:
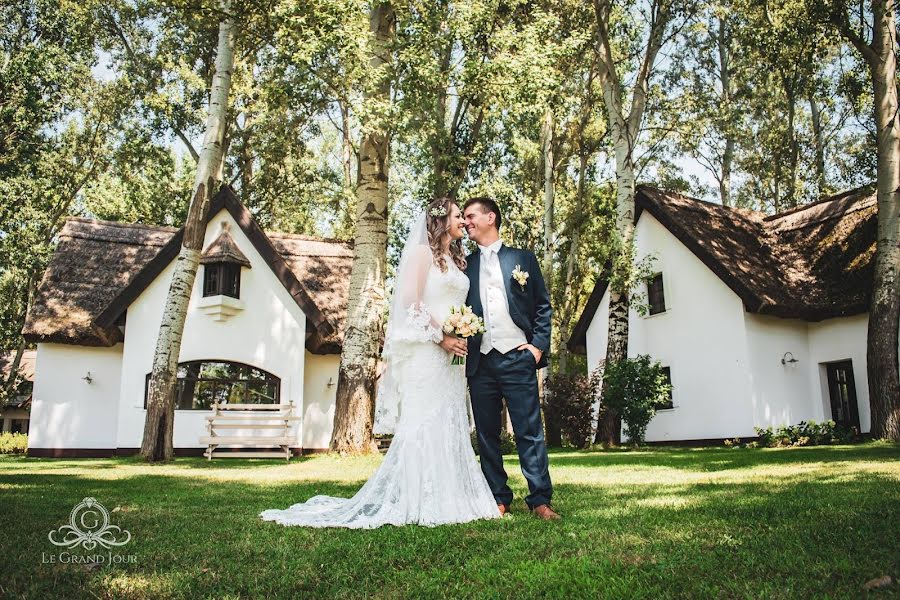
{"points": [[511, 376]]}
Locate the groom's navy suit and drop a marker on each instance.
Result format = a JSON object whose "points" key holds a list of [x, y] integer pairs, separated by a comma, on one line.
{"points": [[513, 376]]}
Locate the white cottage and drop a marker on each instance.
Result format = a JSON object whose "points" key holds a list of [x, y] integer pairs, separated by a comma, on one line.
{"points": [[760, 320], [264, 325]]}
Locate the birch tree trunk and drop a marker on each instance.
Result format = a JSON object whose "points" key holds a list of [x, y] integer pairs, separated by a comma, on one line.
{"points": [[549, 197], [355, 404], [884, 312], [158, 426], [624, 130]]}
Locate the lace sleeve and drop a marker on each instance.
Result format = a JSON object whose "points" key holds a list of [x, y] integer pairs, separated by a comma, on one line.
{"points": [[417, 324]]}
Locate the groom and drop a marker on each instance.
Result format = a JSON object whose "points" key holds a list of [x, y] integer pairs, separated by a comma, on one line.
{"points": [[507, 290]]}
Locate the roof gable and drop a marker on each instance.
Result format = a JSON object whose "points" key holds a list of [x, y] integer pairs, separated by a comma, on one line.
{"points": [[101, 267], [814, 262], [226, 200]]}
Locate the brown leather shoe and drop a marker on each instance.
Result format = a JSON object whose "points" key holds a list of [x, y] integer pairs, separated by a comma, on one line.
{"points": [[545, 512], [503, 508]]}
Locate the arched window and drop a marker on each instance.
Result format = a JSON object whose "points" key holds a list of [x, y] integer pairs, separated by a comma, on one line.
{"points": [[201, 382]]}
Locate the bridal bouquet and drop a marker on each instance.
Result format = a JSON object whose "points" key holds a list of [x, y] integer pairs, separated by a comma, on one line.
{"points": [[463, 323]]}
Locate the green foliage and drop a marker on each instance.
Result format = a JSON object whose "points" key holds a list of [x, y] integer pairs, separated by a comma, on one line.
{"points": [[13, 443], [568, 404], [507, 443], [807, 433], [635, 387]]}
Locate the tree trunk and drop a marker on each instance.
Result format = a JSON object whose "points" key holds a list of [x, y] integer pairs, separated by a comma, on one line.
{"points": [[881, 354], [569, 305], [793, 148], [158, 426], [348, 203], [724, 46], [346, 146], [549, 197], [625, 131], [819, 141], [443, 143], [355, 405]]}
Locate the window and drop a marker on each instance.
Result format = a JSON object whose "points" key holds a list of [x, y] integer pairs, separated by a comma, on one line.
{"points": [[222, 279], [655, 296], [667, 404], [201, 382]]}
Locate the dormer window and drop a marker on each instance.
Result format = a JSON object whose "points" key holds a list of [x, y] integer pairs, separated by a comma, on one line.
{"points": [[222, 279], [222, 262], [656, 297]]}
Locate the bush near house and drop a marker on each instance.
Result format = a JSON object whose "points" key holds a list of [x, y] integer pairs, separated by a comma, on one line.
{"points": [[13, 443], [635, 387], [806, 433], [569, 401]]}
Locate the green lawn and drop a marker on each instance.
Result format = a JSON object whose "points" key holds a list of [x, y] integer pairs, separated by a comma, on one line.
{"points": [[659, 523]]}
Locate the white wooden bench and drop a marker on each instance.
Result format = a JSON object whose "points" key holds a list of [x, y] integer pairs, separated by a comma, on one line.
{"points": [[239, 425]]}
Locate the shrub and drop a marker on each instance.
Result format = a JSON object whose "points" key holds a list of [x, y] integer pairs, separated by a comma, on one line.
{"points": [[13, 443], [568, 402], [507, 443], [634, 387], [806, 433]]}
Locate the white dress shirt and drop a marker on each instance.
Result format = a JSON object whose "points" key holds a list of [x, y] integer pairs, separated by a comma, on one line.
{"points": [[501, 333]]}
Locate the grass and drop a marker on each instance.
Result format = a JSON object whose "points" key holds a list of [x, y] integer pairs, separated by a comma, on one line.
{"points": [[659, 523]]}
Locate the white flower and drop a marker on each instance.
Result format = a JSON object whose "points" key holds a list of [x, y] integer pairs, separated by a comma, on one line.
{"points": [[520, 276], [438, 211]]}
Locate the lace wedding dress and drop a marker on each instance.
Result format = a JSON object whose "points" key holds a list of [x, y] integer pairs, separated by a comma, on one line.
{"points": [[430, 475]]}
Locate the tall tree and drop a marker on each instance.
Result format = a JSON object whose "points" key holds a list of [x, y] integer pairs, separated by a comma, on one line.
{"points": [[624, 129], [158, 426], [56, 121], [880, 54], [355, 401]]}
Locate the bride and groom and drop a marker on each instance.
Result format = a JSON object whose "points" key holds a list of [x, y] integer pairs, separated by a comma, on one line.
{"points": [[430, 475]]}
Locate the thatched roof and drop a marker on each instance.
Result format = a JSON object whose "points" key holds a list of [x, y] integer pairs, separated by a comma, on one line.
{"points": [[812, 263], [100, 267]]}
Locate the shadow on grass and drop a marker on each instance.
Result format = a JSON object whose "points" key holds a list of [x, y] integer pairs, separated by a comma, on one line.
{"points": [[821, 534], [717, 459]]}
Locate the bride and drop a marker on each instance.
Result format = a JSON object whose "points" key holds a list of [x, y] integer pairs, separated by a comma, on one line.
{"points": [[429, 475]]}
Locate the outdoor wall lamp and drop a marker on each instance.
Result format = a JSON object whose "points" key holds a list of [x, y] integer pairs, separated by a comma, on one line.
{"points": [[88, 377], [330, 382], [788, 358]]}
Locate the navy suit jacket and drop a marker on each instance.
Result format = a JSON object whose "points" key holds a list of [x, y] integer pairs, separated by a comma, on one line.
{"points": [[529, 307]]}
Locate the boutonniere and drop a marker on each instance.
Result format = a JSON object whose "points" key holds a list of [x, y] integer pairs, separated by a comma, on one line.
{"points": [[520, 276]]}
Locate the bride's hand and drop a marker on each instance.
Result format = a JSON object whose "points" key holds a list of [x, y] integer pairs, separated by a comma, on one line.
{"points": [[454, 345]]}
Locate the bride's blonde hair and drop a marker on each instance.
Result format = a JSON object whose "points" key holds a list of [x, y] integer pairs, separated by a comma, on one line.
{"points": [[437, 225]]}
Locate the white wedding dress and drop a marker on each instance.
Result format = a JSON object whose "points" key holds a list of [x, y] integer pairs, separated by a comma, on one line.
{"points": [[430, 475]]}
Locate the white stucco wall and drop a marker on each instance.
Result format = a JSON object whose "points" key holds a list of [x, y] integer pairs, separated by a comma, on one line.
{"points": [[319, 399], [66, 410], [780, 394], [727, 375], [837, 340], [268, 334], [700, 337]]}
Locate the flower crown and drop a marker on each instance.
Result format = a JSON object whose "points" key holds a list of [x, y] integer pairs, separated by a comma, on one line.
{"points": [[438, 211]]}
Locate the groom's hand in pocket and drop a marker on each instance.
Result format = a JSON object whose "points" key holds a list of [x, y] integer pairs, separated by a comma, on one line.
{"points": [[534, 350], [454, 345]]}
